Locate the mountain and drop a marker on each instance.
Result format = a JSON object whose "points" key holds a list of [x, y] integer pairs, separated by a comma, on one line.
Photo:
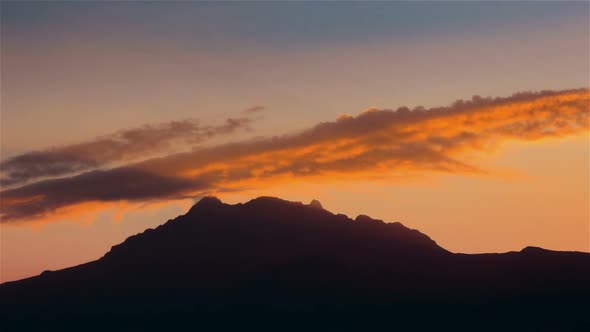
{"points": [[289, 265]]}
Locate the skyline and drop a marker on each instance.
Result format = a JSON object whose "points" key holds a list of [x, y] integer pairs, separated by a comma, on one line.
{"points": [[118, 116]]}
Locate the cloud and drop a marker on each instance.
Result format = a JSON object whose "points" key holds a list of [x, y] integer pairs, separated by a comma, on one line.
{"points": [[119, 184], [373, 144], [122, 146], [255, 109]]}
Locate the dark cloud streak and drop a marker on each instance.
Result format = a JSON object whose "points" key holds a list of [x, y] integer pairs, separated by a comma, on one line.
{"points": [[122, 146], [105, 186]]}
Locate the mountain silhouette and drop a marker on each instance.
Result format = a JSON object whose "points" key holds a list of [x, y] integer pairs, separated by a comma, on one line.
{"points": [[289, 265]]}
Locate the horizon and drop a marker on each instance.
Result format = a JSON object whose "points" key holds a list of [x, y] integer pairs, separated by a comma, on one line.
{"points": [[118, 116]]}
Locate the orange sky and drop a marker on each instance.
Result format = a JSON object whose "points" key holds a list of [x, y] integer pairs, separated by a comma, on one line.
{"points": [[115, 120]]}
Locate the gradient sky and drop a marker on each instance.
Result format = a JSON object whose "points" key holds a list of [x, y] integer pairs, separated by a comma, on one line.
{"points": [[76, 77]]}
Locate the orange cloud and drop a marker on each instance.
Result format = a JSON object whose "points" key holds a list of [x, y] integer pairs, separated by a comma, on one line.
{"points": [[376, 143]]}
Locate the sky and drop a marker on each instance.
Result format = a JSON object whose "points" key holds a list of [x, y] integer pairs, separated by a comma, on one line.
{"points": [[117, 116]]}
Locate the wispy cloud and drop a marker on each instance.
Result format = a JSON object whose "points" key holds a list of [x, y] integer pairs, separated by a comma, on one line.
{"points": [[373, 143], [255, 109], [122, 146]]}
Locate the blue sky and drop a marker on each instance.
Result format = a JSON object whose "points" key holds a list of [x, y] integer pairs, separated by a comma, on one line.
{"points": [[279, 23]]}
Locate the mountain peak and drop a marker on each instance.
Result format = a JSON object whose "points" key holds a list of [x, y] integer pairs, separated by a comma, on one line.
{"points": [[534, 250], [365, 218], [210, 200], [207, 202], [316, 204]]}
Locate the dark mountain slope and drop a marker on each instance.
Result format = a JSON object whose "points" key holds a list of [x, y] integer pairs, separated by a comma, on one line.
{"points": [[282, 260]]}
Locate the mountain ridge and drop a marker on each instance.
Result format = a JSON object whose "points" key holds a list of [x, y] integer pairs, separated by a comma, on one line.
{"points": [[207, 203], [280, 257]]}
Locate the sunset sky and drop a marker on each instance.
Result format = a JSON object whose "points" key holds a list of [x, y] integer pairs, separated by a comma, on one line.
{"points": [[117, 116]]}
